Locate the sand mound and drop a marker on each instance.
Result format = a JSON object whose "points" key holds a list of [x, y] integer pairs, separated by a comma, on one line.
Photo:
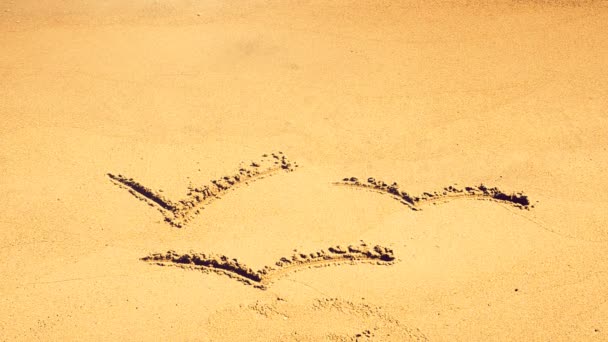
{"points": [[283, 321]]}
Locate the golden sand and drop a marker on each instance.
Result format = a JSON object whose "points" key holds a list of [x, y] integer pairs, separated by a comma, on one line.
{"points": [[465, 143]]}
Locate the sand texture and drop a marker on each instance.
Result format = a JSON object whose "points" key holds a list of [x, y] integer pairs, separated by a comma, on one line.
{"points": [[183, 170], [233, 268]]}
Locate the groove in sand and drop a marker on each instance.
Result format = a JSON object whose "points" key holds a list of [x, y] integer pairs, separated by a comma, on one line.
{"points": [[262, 278], [181, 212], [518, 200]]}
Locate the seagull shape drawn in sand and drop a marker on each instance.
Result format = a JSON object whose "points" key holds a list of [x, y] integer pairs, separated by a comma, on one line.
{"points": [[221, 264], [481, 192], [181, 212]]}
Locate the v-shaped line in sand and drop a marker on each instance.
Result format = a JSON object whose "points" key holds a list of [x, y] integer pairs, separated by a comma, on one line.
{"points": [[178, 213], [222, 264], [481, 192]]}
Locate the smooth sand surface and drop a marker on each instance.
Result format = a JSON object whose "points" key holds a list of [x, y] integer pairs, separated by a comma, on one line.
{"points": [[173, 94]]}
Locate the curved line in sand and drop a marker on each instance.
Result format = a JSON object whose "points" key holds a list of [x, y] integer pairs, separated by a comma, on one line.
{"points": [[181, 212], [481, 192], [232, 268]]}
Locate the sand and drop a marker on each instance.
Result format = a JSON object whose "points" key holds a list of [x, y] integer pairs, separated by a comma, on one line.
{"points": [[271, 146]]}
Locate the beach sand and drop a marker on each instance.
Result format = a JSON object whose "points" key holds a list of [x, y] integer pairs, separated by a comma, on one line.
{"points": [[295, 137]]}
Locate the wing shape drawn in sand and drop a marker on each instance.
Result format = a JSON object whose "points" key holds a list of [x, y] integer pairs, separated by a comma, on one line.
{"points": [[481, 192], [181, 212], [222, 264]]}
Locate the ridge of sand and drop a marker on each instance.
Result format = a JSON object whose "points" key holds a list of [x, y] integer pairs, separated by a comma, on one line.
{"points": [[178, 213], [222, 264], [481, 192]]}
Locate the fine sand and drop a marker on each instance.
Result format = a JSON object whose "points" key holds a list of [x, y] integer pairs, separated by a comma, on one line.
{"points": [[303, 170]]}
